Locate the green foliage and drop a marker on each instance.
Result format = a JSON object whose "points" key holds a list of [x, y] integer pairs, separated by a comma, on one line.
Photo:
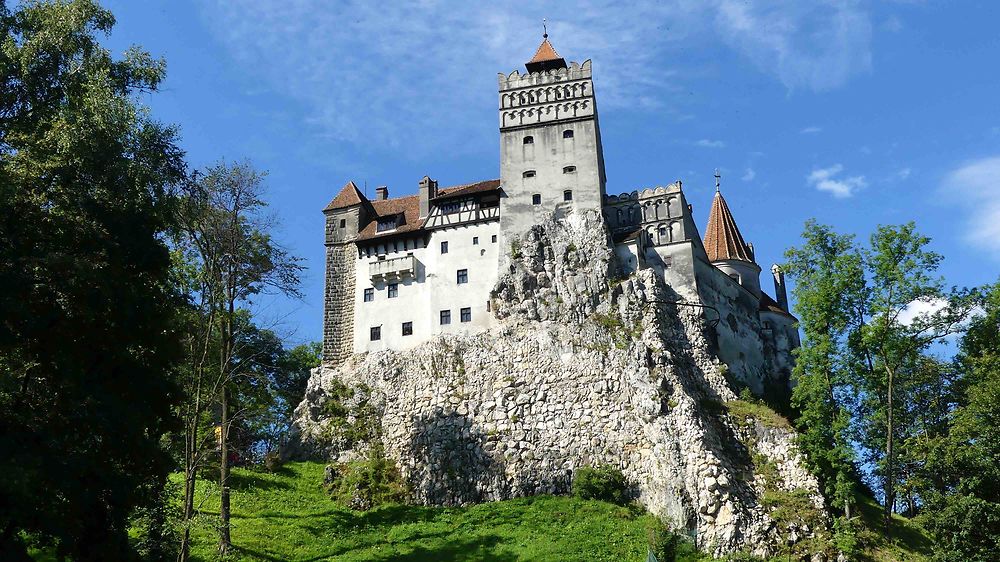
{"points": [[749, 407], [621, 334], [515, 249], [87, 344], [371, 482], [669, 546], [603, 483], [288, 516]]}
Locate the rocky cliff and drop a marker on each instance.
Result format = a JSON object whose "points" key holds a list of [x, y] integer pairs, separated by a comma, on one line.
{"points": [[583, 368]]}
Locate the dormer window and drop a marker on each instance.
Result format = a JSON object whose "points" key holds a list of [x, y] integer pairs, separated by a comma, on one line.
{"points": [[569, 170], [529, 140], [568, 134], [386, 223], [528, 174], [450, 208]]}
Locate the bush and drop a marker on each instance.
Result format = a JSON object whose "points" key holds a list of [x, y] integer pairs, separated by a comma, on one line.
{"points": [[272, 461], [364, 484], [603, 483], [668, 546]]}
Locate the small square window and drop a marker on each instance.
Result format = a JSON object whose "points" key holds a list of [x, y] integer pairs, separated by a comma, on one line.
{"points": [[376, 333], [569, 170], [475, 240], [536, 199], [407, 328], [393, 290], [529, 140], [493, 238], [568, 195], [444, 247], [466, 315], [369, 294], [463, 276], [445, 317], [568, 134], [343, 223]]}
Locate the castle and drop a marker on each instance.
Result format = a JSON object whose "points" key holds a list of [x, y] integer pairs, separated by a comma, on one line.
{"points": [[401, 271]]}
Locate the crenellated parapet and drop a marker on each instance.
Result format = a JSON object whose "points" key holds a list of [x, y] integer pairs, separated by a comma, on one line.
{"points": [[660, 211], [549, 95]]}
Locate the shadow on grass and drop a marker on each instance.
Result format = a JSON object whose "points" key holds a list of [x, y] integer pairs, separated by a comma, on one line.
{"points": [[260, 481], [475, 549]]}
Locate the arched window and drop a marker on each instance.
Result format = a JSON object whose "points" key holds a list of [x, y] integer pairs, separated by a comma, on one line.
{"points": [[569, 169], [663, 233], [568, 134], [528, 174], [529, 140], [568, 195]]}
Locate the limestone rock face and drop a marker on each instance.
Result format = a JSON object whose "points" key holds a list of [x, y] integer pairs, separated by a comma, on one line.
{"points": [[583, 369]]}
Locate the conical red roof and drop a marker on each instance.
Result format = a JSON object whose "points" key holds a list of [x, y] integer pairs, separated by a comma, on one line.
{"points": [[723, 240], [545, 52]]}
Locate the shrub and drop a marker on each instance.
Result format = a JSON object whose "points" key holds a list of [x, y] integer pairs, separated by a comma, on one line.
{"points": [[668, 546], [364, 484], [604, 483], [272, 461]]}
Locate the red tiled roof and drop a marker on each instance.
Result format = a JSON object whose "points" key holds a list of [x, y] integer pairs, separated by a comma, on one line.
{"points": [[723, 240], [409, 207], [349, 195], [545, 52], [767, 304], [468, 189]]}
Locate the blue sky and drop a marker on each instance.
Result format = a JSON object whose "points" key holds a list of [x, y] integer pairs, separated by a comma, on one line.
{"points": [[855, 113]]}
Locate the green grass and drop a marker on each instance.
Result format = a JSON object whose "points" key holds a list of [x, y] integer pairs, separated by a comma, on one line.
{"points": [[287, 516], [908, 541], [742, 410]]}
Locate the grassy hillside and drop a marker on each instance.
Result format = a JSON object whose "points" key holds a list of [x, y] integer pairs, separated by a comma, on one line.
{"points": [[287, 516]]}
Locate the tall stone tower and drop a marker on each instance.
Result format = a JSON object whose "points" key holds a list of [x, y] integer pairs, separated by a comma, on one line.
{"points": [[346, 215], [551, 159]]}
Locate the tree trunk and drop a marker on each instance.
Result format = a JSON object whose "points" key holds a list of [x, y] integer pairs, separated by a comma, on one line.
{"points": [[224, 538], [890, 469]]}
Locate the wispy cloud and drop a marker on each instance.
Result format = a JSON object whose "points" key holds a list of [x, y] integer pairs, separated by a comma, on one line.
{"points": [[976, 186], [382, 78], [827, 179], [749, 175], [903, 173], [708, 143], [810, 130]]}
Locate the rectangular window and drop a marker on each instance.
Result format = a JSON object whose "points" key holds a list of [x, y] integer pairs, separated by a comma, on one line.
{"points": [[536, 199], [376, 333], [369, 295], [463, 276], [466, 315], [407, 328], [444, 247], [445, 317], [475, 240], [567, 195], [393, 290], [493, 239], [385, 224], [343, 223], [450, 208]]}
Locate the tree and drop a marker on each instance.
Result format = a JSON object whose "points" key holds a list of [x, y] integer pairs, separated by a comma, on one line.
{"points": [[829, 285], [226, 236], [86, 310]]}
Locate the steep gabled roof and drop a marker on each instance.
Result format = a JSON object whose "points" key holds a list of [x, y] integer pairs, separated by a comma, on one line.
{"points": [[349, 195], [723, 240], [468, 189], [408, 206]]}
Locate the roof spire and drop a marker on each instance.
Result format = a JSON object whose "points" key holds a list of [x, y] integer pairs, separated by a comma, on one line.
{"points": [[723, 240], [717, 178], [545, 30], [546, 57]]}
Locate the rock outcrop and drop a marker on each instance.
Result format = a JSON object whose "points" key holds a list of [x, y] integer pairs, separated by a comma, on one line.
{"points": [[583, 368]]}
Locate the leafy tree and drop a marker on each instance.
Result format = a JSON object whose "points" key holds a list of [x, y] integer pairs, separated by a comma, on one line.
{"points": [[829, 286], [86, 310], [226, 237]]}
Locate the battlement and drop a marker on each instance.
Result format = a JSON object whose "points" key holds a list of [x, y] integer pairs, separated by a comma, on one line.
{"points": [[643, 193], [515, 80]]}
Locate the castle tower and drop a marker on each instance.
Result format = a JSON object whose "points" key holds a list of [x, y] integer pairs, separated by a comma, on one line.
{"points": [[725, 246], [551, 159], [346, 215]]}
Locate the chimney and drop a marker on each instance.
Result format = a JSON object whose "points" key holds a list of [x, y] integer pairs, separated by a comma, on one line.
{"points": [[381, 193], [779, 287], [428, 191]]}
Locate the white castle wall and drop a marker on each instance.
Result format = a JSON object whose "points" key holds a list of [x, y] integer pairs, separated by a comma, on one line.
{"points": [[433, 288]]}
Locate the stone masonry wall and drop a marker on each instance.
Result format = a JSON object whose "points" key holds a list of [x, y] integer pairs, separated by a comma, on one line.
{"points": [[583, 369], [338, 303]]}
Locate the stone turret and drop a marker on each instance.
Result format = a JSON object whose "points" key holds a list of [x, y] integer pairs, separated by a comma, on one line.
{"points": [[726, 248], [551, 160], [346, 215]]}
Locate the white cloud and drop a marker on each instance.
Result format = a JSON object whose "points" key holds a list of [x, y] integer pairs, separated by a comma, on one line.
{"points": [[749, 175], [903, 173], [824, 179], [707, 143], [893, 24], [810, 130], [976, 186], [920, 308], [378, 77]]}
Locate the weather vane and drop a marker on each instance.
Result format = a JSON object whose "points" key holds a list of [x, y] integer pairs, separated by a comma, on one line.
{"points": [[545, 30], [717, 176]]}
